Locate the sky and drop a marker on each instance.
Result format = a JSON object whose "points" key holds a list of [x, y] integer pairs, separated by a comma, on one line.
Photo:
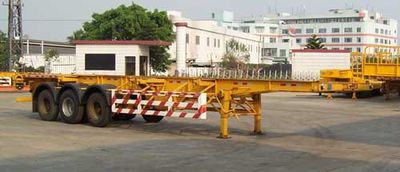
{"points": [[62, 17]]}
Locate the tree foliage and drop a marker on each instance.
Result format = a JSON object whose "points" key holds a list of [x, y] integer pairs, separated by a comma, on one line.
{"points": [[314, 43], [51, 54], [130, 23], [3, 52], [236, 55]]}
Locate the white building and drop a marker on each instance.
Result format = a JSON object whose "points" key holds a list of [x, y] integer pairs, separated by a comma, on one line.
{"points": [[341, 29], [203, 42], [104, 57]]}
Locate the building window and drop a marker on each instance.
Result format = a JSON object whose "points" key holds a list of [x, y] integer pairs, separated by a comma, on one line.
{"points": [[208, 42], [272, 40], [322, 30], [382, 31], [219, 43], [381, 41], [376, 30], [348, 29], [260, 29], [269, 52], [282, 53], [215, 42], [285, 40], [298, 40], [336, 40], [99, 61], [298, 31], [358, 49], [310, 30], [358, 39], [359, 29], [386, 32], [335, 30], [197, 40], [187, 38], [349, 49], [322, 40], [335, 48], [348, 40], [376, 40], [285, 31], [272, 29], [245, 29]]}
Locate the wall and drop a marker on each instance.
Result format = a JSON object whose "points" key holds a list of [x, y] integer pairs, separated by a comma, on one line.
{"points": [[64, 64], [121, 52], [309, 63]]}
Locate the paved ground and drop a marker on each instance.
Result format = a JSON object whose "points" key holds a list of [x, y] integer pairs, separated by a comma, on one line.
{"points": [[304, 132]]}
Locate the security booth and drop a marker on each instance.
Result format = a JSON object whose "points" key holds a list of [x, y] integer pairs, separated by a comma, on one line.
{"points": [[114, 57]]}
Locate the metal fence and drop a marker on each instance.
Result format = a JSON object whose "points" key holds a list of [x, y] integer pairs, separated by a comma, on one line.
{"points": [[257, 74]]}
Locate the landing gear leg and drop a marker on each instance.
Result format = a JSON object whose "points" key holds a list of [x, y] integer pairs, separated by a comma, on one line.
{"points": [[226, 105], [257, 116]]}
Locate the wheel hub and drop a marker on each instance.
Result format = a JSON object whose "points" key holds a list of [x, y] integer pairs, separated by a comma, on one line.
{"points": [[68, 106]]}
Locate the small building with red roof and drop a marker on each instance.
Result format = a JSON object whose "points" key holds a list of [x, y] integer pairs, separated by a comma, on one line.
{"points": [[114, 57]]}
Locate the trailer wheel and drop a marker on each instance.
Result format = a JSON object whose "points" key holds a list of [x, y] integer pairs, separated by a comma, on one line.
{"points": [[123, 117], [152, 119], [70, 110], [97, 110], [47, 108]]}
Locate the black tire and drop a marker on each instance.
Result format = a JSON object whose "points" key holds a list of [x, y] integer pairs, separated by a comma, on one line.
{"points": [[123, 117], [46, 105], [97, 110], [71, 111], [152, 119]]}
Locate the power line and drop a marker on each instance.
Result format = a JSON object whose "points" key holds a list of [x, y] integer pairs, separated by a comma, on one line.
{"points": [[52, 20]]}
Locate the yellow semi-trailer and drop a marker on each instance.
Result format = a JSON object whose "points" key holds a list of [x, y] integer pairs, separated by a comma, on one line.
{"points": [[99, 99]]}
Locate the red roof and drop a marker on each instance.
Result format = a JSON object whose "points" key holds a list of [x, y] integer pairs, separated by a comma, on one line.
{"points": [[122, 42], [320, 51]]}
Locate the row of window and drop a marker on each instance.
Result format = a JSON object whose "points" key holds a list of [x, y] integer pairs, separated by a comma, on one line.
{"points": [[384, 31], [335, 40], [324, 20], [216, 42], [323, 40], [322, 30], [358, 49], [284, 52], [384, 41]]}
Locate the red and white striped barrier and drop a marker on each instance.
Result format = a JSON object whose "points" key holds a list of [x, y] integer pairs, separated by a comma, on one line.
{"points": [[5, 81], [122, 99]]}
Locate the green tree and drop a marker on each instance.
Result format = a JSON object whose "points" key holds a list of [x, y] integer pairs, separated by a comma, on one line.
{"points": [[236, 55], [129, 23], [51, 54], [314, 43], [3, 52]]}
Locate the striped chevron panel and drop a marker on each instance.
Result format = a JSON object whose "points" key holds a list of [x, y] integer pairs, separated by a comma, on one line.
{"points": [[194, 110]]}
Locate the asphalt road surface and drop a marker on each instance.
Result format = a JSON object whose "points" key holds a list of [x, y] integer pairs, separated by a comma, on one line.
{"points": [[303, 132]]}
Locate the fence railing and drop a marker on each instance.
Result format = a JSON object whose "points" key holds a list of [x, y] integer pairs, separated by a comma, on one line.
{"points": [[249, 74]]}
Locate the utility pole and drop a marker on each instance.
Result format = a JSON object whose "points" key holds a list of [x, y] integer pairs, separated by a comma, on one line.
{"points": [[15, 42]]}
